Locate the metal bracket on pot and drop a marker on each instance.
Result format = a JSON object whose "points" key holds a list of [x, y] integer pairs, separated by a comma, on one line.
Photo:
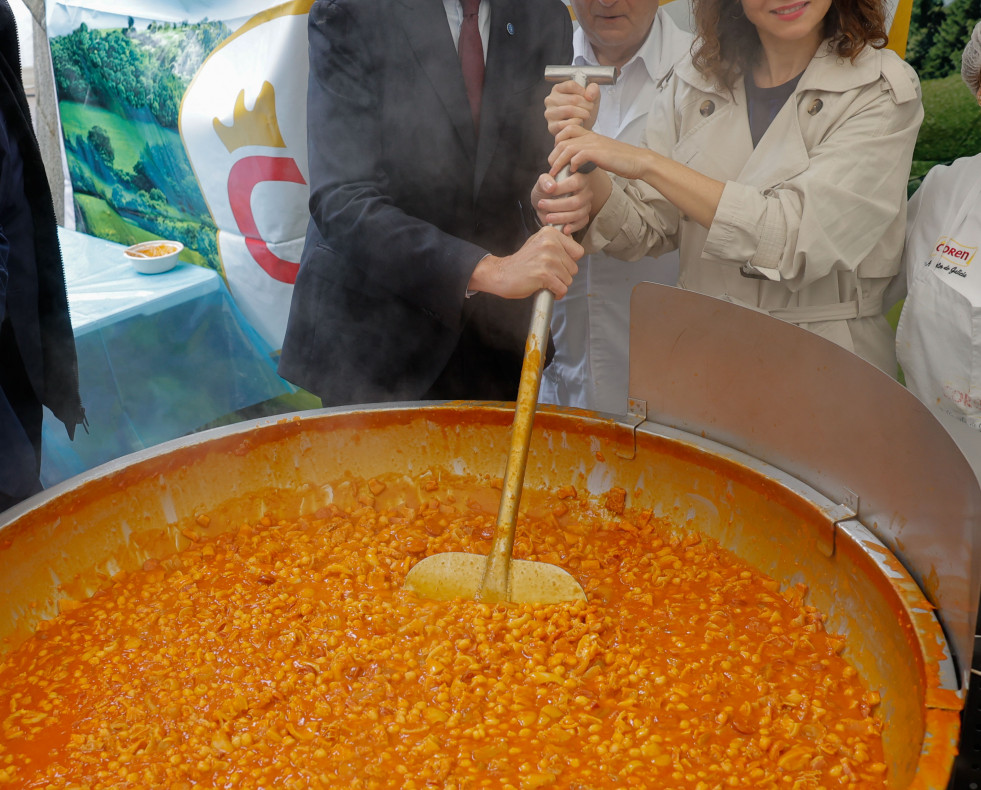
{"points": [[627, 428], [846, 511]]}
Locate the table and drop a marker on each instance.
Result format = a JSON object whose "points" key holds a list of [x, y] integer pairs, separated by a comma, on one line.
{"points": [[159, 356]]}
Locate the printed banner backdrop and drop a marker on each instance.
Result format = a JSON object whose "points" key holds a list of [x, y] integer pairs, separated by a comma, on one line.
{"points": [[243, 122], [187, 120]]}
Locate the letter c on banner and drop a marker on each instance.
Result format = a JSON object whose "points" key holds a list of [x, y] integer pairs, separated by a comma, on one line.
{"points": [[243, 177]]}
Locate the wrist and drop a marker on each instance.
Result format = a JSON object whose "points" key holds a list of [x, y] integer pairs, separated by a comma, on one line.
{"points": [[649, 167], [483, 274]]}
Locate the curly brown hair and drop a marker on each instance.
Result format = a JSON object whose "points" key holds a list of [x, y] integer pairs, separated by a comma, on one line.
{"points": [[728, 44]]}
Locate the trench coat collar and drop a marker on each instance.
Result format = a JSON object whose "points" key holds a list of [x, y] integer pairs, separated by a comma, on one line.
{"points": [[761, 167], [823, 73]]}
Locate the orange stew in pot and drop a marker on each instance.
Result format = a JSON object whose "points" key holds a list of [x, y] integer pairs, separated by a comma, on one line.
{"points": [[285, 653]]}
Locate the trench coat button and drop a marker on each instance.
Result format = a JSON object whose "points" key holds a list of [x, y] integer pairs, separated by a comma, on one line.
{"points": [[815, 107], [707, 108]]}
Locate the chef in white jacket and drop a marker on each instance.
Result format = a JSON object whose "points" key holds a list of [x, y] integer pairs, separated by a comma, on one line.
{"points": [[590, 325], [938, 340]]}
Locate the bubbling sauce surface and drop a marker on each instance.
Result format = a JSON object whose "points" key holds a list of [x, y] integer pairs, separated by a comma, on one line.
{"points": [[285, 653]]}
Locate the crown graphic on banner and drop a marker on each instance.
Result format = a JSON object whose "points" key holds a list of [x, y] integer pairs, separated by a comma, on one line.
{"points": [[257, 126]]}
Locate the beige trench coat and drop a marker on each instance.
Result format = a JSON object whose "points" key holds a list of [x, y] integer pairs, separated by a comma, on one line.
{"points": [[811, 224]]}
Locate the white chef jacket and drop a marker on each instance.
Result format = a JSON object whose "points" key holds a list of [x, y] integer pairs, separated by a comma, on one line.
{"points": [[938, 339], [591, 323]]}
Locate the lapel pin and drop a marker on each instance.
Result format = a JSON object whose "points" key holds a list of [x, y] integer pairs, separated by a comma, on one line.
{"points": [[510, 28]]}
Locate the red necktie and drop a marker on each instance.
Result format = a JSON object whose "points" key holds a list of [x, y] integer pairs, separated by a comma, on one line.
{"points": [[472, 58]]}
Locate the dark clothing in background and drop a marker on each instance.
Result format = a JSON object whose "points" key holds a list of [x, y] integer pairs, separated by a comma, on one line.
{"points": [[405, 200], [37, 348]]}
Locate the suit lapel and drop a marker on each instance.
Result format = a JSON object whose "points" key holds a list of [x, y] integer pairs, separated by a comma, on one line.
{"points": [[425, 26], [495, 106]]}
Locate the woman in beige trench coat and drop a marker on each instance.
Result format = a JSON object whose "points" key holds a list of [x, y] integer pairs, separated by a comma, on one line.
{"points": [[808, 223]]}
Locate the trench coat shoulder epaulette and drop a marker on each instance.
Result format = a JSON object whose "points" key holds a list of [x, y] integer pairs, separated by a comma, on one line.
{"points": [[901, 77]]}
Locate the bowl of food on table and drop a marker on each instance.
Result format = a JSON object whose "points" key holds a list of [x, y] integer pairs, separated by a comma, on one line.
{"points": [[154, 257]]}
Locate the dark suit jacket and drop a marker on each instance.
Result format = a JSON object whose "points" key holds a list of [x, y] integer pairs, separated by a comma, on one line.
{"points": [[405, 200]]}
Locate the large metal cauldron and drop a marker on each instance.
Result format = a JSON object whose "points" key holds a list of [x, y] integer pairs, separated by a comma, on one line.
{"points": [[121, 514], [781, 487]]}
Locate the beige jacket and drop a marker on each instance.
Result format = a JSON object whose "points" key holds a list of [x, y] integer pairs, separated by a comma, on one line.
{"points": [[811, 224]]}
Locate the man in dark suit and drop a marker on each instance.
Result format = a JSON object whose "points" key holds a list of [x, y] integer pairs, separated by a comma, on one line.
{"points": [[419, 265], [37, 348]]}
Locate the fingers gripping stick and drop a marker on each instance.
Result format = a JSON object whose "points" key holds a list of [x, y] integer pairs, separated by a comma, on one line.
{"points": [[582, 75], [542, 317]]}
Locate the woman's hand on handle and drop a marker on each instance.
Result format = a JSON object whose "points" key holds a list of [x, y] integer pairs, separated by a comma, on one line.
{"points": [[574, 146], [696, 195]]}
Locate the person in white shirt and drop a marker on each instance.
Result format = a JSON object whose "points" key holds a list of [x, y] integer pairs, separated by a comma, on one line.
{"points": [[939, 333], [590, 325]]}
